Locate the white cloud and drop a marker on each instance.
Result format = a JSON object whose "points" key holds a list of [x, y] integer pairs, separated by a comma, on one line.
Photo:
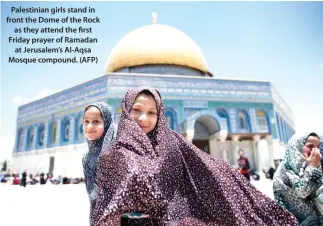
{"points": [[18, 100]]}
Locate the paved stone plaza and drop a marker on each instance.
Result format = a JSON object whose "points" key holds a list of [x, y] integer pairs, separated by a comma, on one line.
{"points": [[56, 205]]}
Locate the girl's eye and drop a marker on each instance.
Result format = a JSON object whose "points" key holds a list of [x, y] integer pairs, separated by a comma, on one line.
{"points": [[152, 113]]}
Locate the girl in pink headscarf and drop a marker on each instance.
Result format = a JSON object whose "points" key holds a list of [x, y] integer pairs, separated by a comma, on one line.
{"points": [[153, 170]]}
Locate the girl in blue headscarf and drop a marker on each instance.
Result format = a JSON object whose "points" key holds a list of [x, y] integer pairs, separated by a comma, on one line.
{"points": [[99, 130]]}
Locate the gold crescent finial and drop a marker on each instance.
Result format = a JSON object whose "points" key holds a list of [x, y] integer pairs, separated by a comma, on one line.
{"points": [[154, 17]]}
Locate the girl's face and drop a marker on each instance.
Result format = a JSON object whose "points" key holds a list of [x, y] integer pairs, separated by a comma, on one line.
{"points": [[311, 142], [144, 112], [93, 124]]}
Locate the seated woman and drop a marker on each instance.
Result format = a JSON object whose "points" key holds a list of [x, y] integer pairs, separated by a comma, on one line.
{"points": [[154, 170], [298, 177]]}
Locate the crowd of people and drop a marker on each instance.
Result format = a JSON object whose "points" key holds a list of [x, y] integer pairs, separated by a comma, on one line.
{"points": [[38, 179]]}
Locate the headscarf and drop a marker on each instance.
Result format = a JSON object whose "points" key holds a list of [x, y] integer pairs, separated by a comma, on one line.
{"points": [[90, 160], [294, 158], [165, 176], [293, 179]]}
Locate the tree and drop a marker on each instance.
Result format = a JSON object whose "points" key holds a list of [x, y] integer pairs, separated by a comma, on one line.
{"points": [[4, 166]]}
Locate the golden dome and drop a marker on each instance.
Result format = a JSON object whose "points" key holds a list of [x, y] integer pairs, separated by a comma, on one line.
{"points": [[156, 44]]}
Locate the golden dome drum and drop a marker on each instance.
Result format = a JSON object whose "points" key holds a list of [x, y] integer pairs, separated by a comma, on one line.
{"points": [[156, 45]]}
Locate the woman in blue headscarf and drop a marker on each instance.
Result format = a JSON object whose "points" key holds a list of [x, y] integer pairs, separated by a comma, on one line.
{"points": [[99, 130], [298, 178]]}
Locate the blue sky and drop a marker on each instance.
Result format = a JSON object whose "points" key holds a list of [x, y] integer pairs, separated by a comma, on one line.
{"points": [[280, 42]]}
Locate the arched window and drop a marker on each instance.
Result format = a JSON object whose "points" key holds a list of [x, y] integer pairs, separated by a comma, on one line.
{"points": [[52, 133], [30, 138], [223, 114], [262, 121], [285, 131], [41, 136], [65, 130], [243, 121], [79, 134], [20, 141], [279, 127], [171, 118]]}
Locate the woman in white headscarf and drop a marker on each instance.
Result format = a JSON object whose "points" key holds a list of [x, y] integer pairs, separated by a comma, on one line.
{"points": [[298, 178]]}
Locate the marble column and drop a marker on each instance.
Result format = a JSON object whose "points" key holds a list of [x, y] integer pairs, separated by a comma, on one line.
{"points": [[46, 135], [35, 137], [235, 150], [58, 132], [223, 150], [190, 135], [221, 137], [269, 139], [255, 151], [72, 130]]}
